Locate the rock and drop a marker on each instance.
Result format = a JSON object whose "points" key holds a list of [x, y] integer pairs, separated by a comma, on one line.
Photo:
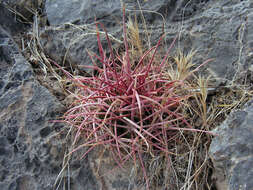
{"points": [[24, 9], [8, 21], [217, 32], [65, 46], [220, 30], [79, 10], [31, 153], [86, 11], [232, 151], [69, 43]]}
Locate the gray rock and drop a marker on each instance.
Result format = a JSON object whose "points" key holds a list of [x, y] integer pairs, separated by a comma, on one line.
{"points": [[79, 10], [31, 154], [24, 9], [68, 43], [86, 11], [8, 20], [219, 29], [232, 151], [218, 32]]}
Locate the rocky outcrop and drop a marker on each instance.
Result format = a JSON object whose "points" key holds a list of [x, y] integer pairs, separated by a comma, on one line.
{"points": [[232, 151], [86, 11], [218, 29], [31, 152]]}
